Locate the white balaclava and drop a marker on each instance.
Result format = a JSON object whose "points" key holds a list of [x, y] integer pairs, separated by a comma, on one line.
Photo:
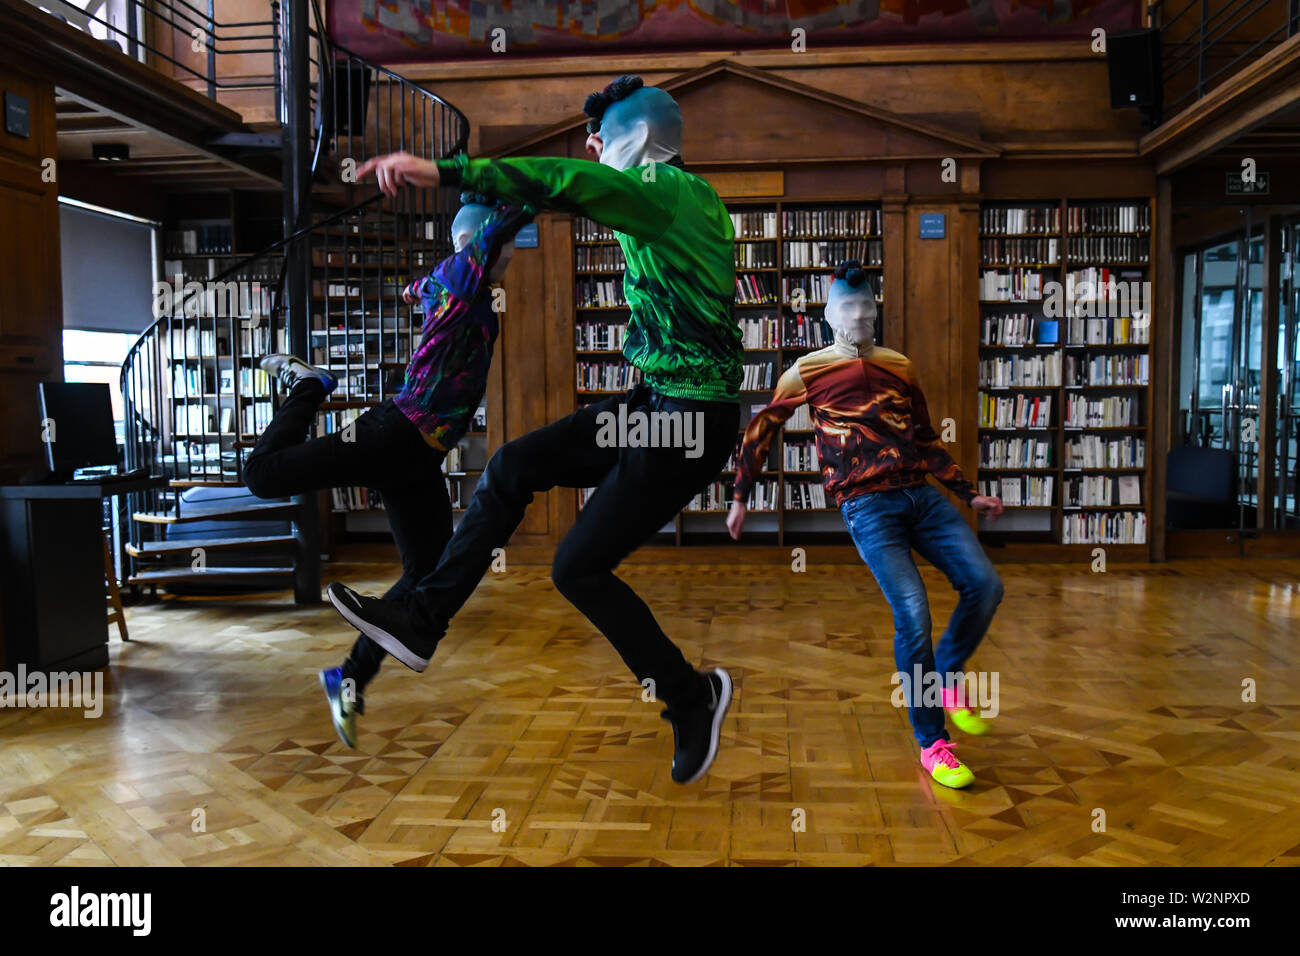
{"points": [[851, 309], [473, 214], [638, 124]]}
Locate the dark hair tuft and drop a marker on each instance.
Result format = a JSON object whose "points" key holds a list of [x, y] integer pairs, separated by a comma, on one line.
{"points": [[597, 103], [851, 271]]}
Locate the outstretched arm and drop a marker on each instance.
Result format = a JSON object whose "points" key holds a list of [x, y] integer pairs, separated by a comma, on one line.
{"points": [[789, 395], [618, 199]]}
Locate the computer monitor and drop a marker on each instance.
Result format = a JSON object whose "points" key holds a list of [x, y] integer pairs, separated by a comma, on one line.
{"points": [[77, 427]]}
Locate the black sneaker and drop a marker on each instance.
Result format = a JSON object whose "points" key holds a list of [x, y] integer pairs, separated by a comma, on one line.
{"points": [[290, 370], [384, 622], [696, 730]]}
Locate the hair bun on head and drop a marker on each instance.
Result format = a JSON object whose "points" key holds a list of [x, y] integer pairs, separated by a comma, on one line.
{"points": [[478, 199], [851, 271], [597, 103]]}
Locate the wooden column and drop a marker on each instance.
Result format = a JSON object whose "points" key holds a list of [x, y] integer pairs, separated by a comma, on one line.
{"points": [[1163, 342]]}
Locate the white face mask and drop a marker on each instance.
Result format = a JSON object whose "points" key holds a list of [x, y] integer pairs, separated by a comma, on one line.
{"points": [[853, 319], [635, 148]]}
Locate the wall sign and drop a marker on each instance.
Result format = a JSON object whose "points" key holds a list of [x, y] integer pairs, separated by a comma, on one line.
{"points": [[932, 225], [526, 238], [18, 117], [1239, 187]]}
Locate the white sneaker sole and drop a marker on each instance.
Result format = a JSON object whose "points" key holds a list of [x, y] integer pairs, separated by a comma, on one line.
{"points": [[381, 637], [715, 734]]}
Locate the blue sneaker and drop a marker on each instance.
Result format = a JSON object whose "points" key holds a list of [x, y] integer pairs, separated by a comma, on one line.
{"points": [[291, 370], [344, 705]]}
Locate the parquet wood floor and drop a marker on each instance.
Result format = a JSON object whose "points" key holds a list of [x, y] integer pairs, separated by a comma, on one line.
{"points": [[526, 742]]}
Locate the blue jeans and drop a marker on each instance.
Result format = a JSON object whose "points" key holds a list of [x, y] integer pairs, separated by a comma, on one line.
{"points": [[886, 526]]}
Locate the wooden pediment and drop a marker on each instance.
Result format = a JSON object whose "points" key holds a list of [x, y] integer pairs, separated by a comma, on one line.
{"points": [[744, 116]]}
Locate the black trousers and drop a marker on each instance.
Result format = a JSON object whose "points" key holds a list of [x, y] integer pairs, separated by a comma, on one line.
{"points": [[638, 491], [387, 454]]}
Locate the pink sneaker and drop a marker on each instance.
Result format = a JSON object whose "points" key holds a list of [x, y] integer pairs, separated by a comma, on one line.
{"points": [[943, 765]]}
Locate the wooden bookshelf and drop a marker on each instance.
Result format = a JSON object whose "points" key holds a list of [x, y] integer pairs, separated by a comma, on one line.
{"points": [[1054, 329], [785, 255]]}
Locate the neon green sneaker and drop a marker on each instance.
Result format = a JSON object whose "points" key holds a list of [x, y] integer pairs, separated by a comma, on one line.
{"points": [[944, 767], [967, 720]]}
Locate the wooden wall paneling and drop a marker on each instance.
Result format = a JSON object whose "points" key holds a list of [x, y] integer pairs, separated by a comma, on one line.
{"points": [[555, 237], [31, 293]]}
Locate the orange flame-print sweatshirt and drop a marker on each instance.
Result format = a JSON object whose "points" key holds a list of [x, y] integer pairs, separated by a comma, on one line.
{"points": [[871, 421]]}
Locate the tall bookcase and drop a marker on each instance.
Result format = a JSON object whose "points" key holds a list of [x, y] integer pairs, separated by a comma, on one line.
{"points": [[785, 253], [1065, 371], [363, 332], [220, 398]]}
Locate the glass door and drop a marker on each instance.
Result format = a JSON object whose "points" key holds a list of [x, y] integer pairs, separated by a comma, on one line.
{"points": [[1286, 511]]}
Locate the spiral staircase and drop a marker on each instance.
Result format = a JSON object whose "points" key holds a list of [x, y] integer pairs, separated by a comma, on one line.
{"points": [[330, 290]]}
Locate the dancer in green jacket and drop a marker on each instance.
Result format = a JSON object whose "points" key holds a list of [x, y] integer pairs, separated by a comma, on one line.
{"points": [[683, 339]]}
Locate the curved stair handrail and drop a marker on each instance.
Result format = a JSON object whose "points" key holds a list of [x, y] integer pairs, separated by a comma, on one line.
{"points": [[358, 243]]}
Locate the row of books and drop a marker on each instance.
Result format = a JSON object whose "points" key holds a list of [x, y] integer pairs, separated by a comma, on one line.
{"points": [[814, 287], [1015, 411], [754, 225], [605, 258], [1113, 411], [600, 336], [1015, 452], [757, 376], [1019, 252], [1088, 369], [1127, 289], [1117, 330], [1112, 248], [754, 289], [830, 223], [356, 499], [829, 254], [719, 495], [805, 495], [762, 332], [599, 293], [190, 381], [606, 376], [807, 332], [199, 240], [1015, 329], [1104, 527], [1094, 451], [801, 456], [1020, 491], [1110, 218], [588, 230], [1099, 491], [1017, 220], [1013, 285], [756, 255], [1004, 371]]}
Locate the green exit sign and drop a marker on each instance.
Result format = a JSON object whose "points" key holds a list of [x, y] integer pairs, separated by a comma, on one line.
{"points": [[1237, 186]]}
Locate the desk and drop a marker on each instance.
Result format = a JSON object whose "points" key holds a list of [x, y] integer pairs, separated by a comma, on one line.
{"points": [[52, 562]]}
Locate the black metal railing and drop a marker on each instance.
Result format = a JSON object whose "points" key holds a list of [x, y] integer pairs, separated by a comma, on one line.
{"points": [[154, 31], [1203, 43], [195, 398]]}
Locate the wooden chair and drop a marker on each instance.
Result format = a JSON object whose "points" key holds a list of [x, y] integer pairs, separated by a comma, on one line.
{"points": [[116, 614]]}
